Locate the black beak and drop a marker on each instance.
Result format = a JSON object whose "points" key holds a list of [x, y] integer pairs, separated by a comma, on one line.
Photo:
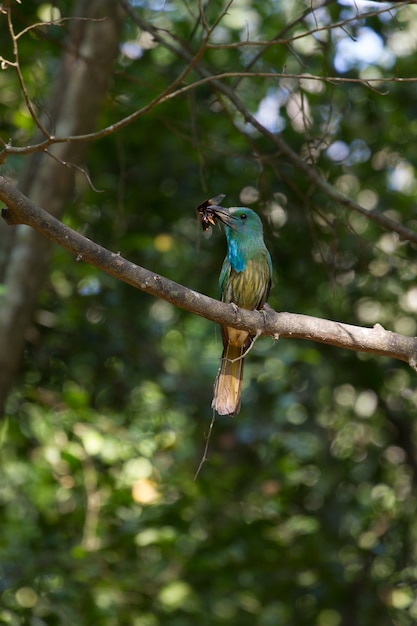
{"points": [[221, 214], [209, 212]]}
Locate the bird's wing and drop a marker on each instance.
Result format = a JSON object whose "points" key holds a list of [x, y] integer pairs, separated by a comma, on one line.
{"points": [[224, 279]]}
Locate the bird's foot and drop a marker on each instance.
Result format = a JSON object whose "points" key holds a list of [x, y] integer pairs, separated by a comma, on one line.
{"points": [[267, 310]]}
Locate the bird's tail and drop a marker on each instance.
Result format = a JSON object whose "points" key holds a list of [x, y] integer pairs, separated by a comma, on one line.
{"points": [[228, 384]]}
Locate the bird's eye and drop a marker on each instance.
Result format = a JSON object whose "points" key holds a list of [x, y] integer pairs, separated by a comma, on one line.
{"points": [[243, 216]]}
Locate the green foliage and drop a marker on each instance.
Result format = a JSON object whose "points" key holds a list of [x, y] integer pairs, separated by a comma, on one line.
{"points": [[305, 512]]}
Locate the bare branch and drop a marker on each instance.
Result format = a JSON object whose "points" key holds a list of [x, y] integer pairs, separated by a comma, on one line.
{"points": [[174, 90], [76, 167], [376, 340], [171, 92], [21, 80], [280, 40], [73, 105], [312, 174], [58, 22]]}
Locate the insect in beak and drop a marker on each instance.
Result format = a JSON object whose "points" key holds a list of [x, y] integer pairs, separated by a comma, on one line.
{"points": [[210, 212], [206, 211]]}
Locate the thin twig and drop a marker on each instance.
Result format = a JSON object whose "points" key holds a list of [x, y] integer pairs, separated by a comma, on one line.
{"points": [[76, 167], [248, 349], [57, 22], [280, 40], [204, 458], [21, 80]]}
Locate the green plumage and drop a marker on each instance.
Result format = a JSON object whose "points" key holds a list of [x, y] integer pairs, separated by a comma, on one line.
{"points": [[245, 280]]}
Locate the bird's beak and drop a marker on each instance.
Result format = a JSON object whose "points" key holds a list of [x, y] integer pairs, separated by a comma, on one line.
{"points": [[222, 215]]}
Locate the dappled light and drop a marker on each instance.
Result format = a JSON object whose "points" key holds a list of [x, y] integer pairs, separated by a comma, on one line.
{"points": [[124, 500]]}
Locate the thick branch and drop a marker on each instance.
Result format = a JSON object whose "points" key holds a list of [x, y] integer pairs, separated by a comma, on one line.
{"points": [[21, 210]]}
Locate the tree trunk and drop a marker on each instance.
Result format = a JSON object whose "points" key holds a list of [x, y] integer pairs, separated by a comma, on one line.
{"points": [[73, 108]]}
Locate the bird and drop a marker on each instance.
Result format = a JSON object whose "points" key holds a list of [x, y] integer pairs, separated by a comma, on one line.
{"points": [[245, 280]]}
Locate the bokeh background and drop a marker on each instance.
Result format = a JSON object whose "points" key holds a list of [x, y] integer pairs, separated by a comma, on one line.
{"points": [[305, 511]]}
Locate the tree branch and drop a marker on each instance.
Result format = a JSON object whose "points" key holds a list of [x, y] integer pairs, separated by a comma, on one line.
{"points": [[175, 89], [311, 173], [376, 340], [76, 99]]}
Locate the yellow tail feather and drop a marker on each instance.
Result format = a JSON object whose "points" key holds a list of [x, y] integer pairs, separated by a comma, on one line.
{"points": [[228, 385]]}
